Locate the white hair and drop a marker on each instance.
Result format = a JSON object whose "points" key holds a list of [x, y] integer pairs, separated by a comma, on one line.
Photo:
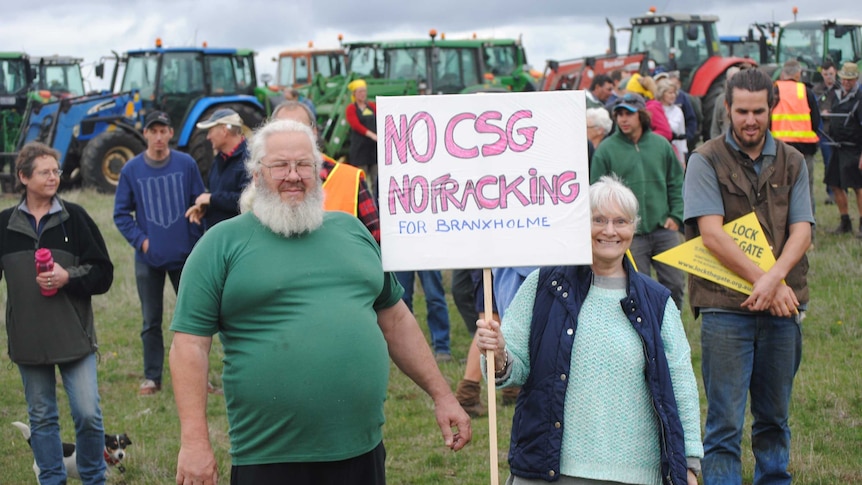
{"points": [[257, 144], [601, 118], [610, 190], [287, 219]]}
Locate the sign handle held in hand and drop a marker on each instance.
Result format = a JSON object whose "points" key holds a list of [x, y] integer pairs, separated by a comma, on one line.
{"points": [[490, 378]]}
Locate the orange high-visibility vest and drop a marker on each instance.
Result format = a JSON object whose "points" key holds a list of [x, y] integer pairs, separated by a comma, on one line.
{"points": [[341, 188], [791, 118]]}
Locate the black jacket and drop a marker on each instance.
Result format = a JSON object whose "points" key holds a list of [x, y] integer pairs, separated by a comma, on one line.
{"points": [[56, 329]]}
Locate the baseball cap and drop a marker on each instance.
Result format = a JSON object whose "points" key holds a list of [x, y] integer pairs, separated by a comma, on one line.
{"points": [[224, 116], [157, 117], [630, 101]]}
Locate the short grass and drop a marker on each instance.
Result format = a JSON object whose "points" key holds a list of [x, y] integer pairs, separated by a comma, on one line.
{"points": [[826, 415]]}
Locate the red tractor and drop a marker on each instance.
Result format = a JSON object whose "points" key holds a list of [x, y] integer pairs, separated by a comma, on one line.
{"points": [[674, 42]]}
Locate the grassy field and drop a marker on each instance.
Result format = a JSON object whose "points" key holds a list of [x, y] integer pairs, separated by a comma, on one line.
{"points": [[826, 415]]}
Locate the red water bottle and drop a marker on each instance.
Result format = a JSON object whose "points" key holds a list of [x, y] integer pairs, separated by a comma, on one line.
{"points": [[45, 262]]}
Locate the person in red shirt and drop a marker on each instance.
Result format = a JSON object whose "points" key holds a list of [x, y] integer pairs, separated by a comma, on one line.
{"points": [[362, 118]]}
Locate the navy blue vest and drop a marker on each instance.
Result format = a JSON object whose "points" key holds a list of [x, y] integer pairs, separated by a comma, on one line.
{"points": [[537, 427]]}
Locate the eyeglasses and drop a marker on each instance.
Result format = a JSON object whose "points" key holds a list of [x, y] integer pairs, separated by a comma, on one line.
{"points": [[281, 170], [47, 173], [618, 222]]}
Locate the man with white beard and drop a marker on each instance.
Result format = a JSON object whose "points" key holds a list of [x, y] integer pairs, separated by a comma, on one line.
{"points": [[308, 321]]}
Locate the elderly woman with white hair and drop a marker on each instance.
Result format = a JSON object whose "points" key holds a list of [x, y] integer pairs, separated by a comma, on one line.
{"points": [[608, 392], [599, 124]]}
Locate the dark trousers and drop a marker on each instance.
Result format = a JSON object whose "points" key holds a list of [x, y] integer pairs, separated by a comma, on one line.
{"points": [[367, 469]]}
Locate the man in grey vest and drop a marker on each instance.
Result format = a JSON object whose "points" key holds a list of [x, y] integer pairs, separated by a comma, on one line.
{"points": [[751, 343]]}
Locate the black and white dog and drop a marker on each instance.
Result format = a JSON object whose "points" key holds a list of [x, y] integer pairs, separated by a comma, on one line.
{"points": [[115, 451]]}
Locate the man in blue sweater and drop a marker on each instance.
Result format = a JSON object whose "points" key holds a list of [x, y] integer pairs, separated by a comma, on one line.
{"points": [[155, 190]]}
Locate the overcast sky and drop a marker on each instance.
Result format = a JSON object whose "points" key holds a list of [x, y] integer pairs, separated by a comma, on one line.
{"points": [[550, 29]]}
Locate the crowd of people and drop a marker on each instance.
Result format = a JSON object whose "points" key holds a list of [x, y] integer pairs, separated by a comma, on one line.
{"points": [[595, 356]]}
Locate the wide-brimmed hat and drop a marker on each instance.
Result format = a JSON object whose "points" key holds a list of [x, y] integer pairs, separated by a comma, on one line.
{"points": [[849, 70], [224, 116], [630, 101]]}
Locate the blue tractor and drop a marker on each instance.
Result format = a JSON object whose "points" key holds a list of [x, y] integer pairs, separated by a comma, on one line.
{"points": [[190, 83], [95, 133]]}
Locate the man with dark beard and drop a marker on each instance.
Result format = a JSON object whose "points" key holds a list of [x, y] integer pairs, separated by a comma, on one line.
{"points": [[306, 316], [752, 344]]}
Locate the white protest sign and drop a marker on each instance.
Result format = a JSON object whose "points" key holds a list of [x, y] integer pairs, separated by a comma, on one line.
{"points": [[483, 180]]}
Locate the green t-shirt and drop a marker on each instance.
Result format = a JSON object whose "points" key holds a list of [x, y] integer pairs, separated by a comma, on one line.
{"points": [[306, 366]]}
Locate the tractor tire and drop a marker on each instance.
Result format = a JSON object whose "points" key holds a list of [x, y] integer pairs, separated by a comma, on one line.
{"points": [[202, 150], [105, 156], [708, 104]]}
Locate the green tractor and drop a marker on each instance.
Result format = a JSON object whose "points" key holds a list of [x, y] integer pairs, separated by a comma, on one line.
{"points": [[16, 81], [414, 67], [811, 42]]}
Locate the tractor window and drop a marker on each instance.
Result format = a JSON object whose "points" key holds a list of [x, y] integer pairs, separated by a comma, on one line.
{"points": [[140, 74], [366, 61], [302, 70], [803, 44], [182, 73], [654, 39], [63, 79], [842, 42], [690, 46], [13, 76], [221, 74], [454, 70], [242, 66], [320, 65], [406, 64], [500, 60], [328, 65], [285, 71]]}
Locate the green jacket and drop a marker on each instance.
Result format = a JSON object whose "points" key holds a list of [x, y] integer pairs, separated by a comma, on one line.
{"points": [[650, 169]]}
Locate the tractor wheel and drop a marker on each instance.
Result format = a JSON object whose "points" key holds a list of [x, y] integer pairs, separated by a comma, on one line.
{"points": [[202, 150], [104, 157], [708, 103]]}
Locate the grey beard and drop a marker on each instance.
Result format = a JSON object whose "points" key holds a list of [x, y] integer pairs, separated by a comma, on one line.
{"points": [[283, 218]]}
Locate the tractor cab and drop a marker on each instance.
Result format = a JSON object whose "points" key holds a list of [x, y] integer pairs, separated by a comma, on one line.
{"points": [[812, 42], [441, 66], [174, 79], [297, 68], [59, 75], [15, 79], [676, 42]]}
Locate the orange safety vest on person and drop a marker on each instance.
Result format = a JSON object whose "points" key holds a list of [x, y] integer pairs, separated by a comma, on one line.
{"points": [[791, 118], [341, 188]]}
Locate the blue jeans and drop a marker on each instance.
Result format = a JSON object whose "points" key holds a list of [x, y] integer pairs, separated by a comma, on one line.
{"points": [[79, 380], [645, 246], [435, 302], [151, 291], [742, 354]]}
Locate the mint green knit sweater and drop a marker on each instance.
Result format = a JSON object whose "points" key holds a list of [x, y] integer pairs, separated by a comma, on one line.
{"points": [[611, 431]]}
